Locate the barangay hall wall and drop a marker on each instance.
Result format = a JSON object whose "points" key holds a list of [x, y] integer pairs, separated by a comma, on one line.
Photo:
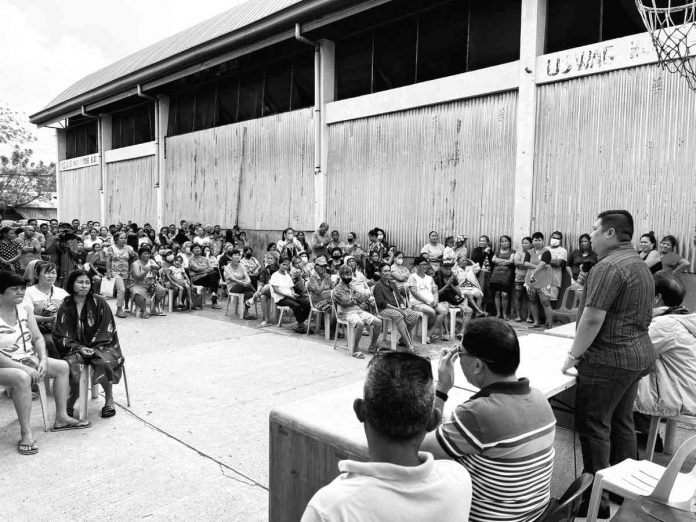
{"points": [[542, 143]]}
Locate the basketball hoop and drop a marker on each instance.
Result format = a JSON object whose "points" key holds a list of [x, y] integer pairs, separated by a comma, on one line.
{"points": [[672, 27]]}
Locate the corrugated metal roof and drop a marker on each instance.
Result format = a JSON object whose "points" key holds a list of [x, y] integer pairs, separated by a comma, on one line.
{"points": [[227, 22]]}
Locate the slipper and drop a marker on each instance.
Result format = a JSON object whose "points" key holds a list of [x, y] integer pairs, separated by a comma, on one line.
{"points": [[78, 426], [358, 355], [121, 315], [27, 449], [145, 316], [160, 314], [108, 411]]}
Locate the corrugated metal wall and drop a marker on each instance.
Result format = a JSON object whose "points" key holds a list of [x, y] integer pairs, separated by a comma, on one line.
{"points": [[448, 168], [130, 192], [79, 196], [625, 139], [273, 155]]}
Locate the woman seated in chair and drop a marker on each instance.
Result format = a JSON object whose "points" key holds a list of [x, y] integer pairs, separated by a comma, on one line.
{"points": [[146, 291], [205, 272], [24, 363], [237, 279], [45, 298], [85, 333]]}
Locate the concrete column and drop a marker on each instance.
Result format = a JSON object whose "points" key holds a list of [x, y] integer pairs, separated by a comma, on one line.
{"points": [[328, 94], [61, 139], [105, 135], [532, 33], [162, 113]]}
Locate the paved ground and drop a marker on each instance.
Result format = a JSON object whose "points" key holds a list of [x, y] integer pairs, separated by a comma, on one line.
{"points": [[194, 443]]}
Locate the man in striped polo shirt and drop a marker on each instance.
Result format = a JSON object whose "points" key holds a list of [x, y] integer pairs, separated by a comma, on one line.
{"points": [[504, 434]]}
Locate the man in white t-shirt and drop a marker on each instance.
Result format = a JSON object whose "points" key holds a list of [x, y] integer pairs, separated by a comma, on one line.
{"points": [[284, 294], [399, 483]]}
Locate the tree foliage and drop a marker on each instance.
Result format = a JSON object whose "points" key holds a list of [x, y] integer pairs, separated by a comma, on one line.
{"points": [[22, 180], [13, 127]]}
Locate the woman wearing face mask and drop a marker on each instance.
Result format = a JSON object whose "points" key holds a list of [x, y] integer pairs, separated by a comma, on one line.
{"points": [[263, 289], [399, 273], [353, 248], [336, 261], [251, 265], [118, 258], [502, 276], [559, 258], [376, 245], [577, 258], [289, 246]]}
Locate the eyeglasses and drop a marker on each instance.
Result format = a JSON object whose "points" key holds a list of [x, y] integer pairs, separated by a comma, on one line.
{"points": [[471, 356]]}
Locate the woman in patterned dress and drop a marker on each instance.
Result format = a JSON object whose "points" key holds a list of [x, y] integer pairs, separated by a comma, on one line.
{"points": [[118, 258], [10, 250]]}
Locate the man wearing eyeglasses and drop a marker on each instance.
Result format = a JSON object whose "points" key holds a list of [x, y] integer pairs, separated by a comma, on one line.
{"points": [[504, 434]]}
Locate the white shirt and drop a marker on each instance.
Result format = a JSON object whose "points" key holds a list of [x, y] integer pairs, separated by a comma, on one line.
{"points": [[43, 303], [423, 287], [436, 490], [282, 281]]}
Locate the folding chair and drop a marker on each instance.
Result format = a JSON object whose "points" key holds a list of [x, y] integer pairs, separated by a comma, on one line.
{"points": [[633, 478], [86, 383]]}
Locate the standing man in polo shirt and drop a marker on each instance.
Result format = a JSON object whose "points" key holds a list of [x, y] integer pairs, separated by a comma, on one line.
{"points": [[612, 348], [504, 434]]}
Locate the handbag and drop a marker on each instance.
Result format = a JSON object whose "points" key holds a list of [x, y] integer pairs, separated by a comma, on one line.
{"points": [[107, 287]]}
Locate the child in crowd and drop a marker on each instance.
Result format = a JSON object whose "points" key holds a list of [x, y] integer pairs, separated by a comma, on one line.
{"points": [[178, 278]]}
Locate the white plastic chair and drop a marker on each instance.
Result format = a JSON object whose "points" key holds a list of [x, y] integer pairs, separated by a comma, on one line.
{"points": [[319, 313], [669, 433], [348, 330], [238, 306], [632, 478], [86, 383], [424, 318]]}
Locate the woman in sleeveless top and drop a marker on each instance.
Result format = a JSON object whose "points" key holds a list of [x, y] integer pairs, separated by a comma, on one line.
{"points": [[24, 363]]}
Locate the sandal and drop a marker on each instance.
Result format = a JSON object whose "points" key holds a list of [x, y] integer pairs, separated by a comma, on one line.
{"points": [[160, 314], [145, 316], [121, 315], [27, 449], [108, 411], [358, 355]]}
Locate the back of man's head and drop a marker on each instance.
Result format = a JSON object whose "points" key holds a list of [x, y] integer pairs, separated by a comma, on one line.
{"points": [[620, 220], [399, 395], [495, 342], [670, 288]]}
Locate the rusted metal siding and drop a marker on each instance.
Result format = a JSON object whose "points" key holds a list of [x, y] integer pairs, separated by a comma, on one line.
{"points": [[273, 156], [448, 168], [625, 139], [78, 195], [130, 192]]}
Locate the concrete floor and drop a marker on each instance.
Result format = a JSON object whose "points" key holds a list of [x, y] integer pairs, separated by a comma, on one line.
{"points": [[194, 443]]}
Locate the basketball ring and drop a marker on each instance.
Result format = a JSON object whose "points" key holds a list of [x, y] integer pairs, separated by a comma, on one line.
{"points": [[672, 27]]}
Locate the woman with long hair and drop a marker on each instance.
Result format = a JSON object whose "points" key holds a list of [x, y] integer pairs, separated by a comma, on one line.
{"points": [[85, 333], [577, 258]]}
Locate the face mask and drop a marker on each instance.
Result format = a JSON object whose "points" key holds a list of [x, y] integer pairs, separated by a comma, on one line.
{"points": [[380, 237], [346, 280], [350, 240], [555, 242], [399, 261], [247, 255]]}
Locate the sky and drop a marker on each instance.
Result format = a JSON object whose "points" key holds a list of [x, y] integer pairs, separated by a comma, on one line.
{"points": [[50, 45]]}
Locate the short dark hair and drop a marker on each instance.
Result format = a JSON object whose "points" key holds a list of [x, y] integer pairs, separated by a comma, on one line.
{"points": [[670, 288], [672, 240], [399, 395], [70, 284], [418, 260], [651, 237], [282, 260], [538, 235], [233, 252], [10, 279], [557, 233], [620, 220], [144, 248], [383, 264], [495, 342]]}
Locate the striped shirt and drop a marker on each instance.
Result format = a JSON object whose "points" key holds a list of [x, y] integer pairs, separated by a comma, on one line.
{"points": [[504, 437], [621, 284]]}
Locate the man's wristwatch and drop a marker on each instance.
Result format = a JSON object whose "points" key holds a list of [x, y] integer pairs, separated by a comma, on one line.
{"points": [[441, 395]]}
